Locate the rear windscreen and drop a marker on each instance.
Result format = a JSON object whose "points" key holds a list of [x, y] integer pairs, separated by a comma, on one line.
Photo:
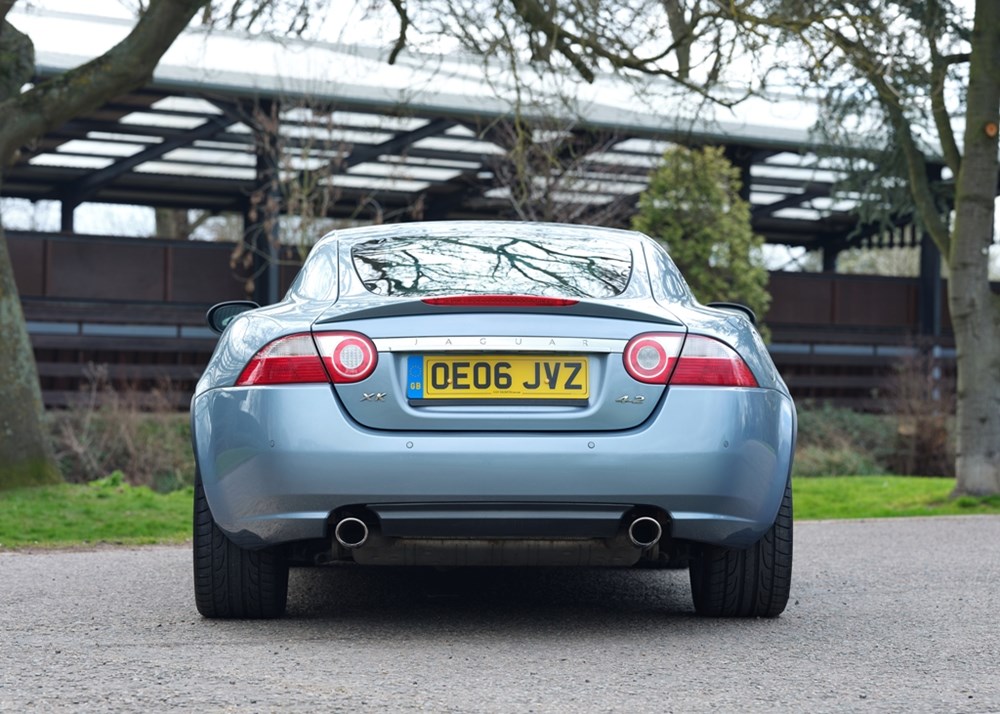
{"points": [[419, 266]]}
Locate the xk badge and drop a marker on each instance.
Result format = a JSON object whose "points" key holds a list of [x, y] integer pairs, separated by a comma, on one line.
{"points": [[373, 397]]}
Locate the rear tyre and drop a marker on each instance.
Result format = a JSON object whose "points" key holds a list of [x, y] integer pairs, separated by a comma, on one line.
{"points": [[232, 582], [747, 583]]}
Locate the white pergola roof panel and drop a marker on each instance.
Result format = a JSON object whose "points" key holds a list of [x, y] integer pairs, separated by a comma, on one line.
{"points": [[426, 131]]}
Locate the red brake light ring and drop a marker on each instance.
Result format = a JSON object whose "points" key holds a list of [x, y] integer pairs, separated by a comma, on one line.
{"points": [[348, 356], [646, 357], [653, 358], [339, 357]]}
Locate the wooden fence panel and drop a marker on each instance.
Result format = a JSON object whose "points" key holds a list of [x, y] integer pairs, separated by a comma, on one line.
{"points": [[131, 311]]}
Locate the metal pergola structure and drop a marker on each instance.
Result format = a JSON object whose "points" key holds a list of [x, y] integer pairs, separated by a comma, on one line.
{"points": [[428, 139]]}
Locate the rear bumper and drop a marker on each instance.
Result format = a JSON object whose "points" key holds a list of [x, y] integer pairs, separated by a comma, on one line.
{"points": [[277, 461]]}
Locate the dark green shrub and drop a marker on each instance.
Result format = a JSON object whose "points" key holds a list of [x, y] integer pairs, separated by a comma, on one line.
{"points": [[842, 442], [837, 461]]}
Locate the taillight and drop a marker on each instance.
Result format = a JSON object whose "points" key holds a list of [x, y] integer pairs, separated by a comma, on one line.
{"points": [[709, 362], [349, 356], [287, 360], [650, 358], [653, 358], [500, 301], [340, 357]]}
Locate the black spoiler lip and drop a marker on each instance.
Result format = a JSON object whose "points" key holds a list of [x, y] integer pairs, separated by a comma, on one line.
{"points": [[642, 310]]}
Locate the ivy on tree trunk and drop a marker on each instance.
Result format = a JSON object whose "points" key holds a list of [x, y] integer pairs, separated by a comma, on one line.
{"points": [[25, 456]]}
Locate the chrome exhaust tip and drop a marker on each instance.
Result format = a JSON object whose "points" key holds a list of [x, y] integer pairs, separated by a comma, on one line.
{"points": [[645, 532], [351, 532]]}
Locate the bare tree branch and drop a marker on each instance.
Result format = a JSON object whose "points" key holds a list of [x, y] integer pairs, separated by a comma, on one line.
{"points": [[18, 62], [125, 66], [942, 120], [5, 7], [681, 30], [916, 162], [404, 23], [939, 73], [584, 51]]}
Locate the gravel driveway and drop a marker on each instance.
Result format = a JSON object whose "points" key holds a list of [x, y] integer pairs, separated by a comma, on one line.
{"points": [[886, 615]]}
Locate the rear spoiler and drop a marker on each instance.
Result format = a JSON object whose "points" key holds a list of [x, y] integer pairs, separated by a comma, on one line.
{"points": [[644, 310]]}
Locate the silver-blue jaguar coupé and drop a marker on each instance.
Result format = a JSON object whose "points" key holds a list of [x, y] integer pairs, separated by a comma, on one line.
{"points": [[491, 394]]}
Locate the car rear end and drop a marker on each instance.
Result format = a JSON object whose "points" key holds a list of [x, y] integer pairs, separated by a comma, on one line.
{"points": [[474, 401]]}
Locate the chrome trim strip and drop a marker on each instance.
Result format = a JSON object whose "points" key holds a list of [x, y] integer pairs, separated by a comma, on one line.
{"points": [[486, 343]]}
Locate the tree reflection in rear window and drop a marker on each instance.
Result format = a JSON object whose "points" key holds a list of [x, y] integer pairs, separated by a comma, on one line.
{"points": [[420, 266]]}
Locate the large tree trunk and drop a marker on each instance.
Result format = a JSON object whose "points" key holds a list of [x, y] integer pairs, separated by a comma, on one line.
{"points": [[975, 310], [25, 456], [172, 224]]}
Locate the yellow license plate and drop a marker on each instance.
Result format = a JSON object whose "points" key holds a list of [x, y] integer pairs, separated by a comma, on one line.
{"points": [[498, 377]]}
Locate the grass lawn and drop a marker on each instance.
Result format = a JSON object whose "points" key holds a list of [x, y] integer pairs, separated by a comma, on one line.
{"points": [[103, 511], [111, 511], [883, 496]]}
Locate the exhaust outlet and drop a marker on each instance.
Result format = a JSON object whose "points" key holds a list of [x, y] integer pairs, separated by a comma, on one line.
{"points": [[645, 532], [351, 533]]}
